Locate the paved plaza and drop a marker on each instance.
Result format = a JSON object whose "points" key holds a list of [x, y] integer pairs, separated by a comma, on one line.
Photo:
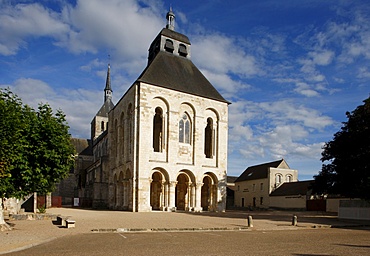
{"points": [[28, 233]]}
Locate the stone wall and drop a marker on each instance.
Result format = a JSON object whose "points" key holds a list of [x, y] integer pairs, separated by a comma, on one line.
{"points": [[354, 209]]}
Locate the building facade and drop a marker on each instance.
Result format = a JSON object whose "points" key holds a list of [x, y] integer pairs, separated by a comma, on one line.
{"points": [[254, 186], [163, 146]]}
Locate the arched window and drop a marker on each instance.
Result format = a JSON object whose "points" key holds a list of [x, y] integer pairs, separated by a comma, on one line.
{"points": [[182, 50], [102, 126], [157, 130], [169, 46], [208, 139], [184, 129], [289, 178], [278, 179]]}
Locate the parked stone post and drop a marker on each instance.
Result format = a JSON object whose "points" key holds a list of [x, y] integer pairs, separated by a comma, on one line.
{"points": [[250, 221], [294, 220], [35, 202]]}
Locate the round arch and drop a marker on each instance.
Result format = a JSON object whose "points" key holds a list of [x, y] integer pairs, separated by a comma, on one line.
{"points": [[158, 189], [209, 192], [183, 191]]}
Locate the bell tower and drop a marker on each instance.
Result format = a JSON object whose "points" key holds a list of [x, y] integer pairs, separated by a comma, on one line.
{"points": [[100, 122], [170, 41]]}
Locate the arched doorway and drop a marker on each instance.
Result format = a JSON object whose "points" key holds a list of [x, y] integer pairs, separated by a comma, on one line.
{"points": [[127, 190], [120, 191], [181, 192], [206, 193], [156, 191], [209, 192]]}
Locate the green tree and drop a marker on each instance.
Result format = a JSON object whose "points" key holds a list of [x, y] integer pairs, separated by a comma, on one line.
{"points": [[347, 157], [35, 147]]}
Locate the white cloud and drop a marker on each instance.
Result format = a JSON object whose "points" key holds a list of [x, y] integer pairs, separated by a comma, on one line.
{"points": [[33, 91], [275, 130], [115, 26], [304, 89], [79, 105], [27, 20], [224, 83], [225, 55], [89, 26], [321, 57], [363, 72]]}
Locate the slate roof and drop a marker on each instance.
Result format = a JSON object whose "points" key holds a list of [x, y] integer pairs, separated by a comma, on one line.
{"points": [[82, 146], [180, 74], [104, 110], [258, 171], [175, 35], [293, 188], [231, 179]]}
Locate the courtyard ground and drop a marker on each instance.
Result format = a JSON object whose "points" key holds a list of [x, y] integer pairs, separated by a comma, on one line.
{"points": [[28, 233]]}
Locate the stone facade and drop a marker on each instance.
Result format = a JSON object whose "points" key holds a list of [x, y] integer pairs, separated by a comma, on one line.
{"points": [[255, 184], [165, 147]]}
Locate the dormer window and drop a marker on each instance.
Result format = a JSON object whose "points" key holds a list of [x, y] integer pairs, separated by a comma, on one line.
{"points": [[182, 50], [169, 46]]}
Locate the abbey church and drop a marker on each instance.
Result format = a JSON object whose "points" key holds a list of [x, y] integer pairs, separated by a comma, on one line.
{"points": [[163, 146]]}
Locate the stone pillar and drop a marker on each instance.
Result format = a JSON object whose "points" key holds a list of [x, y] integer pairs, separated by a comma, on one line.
{"points": [[34, 202], [161, 197], [150, 194], [48, 200], [165, 196], [188, 197], [171, 201], [192, 197], [198, 197]]}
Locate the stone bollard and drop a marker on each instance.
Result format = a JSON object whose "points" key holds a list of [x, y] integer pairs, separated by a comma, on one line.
{"points": [[250, 221], [294, 220]]}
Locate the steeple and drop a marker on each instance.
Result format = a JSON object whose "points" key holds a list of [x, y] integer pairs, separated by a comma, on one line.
{"points": [[170, 20], [170, 41], [108, 90]]}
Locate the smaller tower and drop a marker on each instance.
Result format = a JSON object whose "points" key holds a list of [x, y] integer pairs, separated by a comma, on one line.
{"points": [[170, 20], [108, 90], [100, 122]]}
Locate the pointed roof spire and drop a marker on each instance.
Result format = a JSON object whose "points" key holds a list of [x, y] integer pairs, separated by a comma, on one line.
{"points": [[170, 19], [108, 90]]}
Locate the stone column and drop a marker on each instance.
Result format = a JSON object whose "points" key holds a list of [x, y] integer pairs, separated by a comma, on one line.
{"points": [[150, 194], [192, 197], [198, 197], [165, 196], [171, 201], [161, 198], [188, 197]]}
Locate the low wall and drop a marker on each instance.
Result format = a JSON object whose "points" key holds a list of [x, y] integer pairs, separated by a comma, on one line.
{"points": [[332, 204], [354, 209], [288, 202]]}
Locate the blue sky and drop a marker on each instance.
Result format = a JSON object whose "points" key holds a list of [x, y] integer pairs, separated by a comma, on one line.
{"points": [[290, 68]]}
